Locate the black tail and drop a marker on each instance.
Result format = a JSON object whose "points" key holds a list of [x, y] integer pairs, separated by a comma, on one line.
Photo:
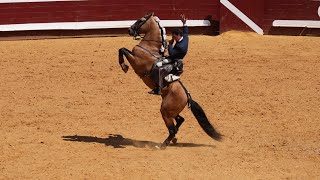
{"points": [[203, 120]]}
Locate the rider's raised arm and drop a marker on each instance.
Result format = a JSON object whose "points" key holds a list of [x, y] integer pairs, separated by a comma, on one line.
{"points": [[185, 30], [185, 27]]}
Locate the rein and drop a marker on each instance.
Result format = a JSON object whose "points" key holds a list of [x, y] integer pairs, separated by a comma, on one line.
{"points": [[147, 50], [146, 73], [151, 40]]}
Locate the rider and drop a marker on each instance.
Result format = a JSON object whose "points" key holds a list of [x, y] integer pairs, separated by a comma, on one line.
{"points": [[176, 52]]}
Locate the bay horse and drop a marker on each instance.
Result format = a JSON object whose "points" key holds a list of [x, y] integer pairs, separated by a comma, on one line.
{"points": [[175, 96]]}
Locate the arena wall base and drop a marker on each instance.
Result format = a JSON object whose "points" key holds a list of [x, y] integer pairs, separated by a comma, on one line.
{"points": [[53, 34], [294, 31]]}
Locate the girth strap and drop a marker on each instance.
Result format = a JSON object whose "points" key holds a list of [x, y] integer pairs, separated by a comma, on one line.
{"points": [[146, 73], [148, 51]]}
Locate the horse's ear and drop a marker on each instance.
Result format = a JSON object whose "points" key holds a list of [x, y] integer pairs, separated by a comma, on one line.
{"points": [[150, 14]]}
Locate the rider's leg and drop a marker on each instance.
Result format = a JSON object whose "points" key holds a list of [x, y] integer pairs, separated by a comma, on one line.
{"points": [[178, 65], [157, 90], [163, 74]]}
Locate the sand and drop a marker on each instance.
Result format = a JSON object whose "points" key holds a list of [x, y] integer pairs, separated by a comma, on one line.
{"points": [[67, 111]]}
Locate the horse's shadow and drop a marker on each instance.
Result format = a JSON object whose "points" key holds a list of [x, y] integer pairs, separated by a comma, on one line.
{"points": [[118, 141]]}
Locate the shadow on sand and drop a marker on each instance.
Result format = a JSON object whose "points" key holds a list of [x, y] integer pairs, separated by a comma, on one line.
{"points": [[118, 141]]}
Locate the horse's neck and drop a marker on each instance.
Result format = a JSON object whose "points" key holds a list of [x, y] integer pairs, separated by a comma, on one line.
{"points": [[152, 40], [152, 43], [153, 33]]}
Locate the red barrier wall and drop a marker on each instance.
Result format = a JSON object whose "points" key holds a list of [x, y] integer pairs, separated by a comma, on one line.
{"points": [[289, 10], [262, 12], [254, 9], [102, 10]]}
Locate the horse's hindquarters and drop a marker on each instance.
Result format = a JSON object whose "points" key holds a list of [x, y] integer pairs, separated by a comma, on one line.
{"points": [[174, 98]]}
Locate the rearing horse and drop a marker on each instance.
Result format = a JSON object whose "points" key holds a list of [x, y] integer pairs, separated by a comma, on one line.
{"points": [[175, 97]]}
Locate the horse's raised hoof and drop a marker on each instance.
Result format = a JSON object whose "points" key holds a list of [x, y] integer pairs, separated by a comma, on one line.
{"points": [[174, 141]]}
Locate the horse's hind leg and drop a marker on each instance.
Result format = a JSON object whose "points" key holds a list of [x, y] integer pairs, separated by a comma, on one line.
{"points": [[171, 127], [173, 102], [179, 119]]}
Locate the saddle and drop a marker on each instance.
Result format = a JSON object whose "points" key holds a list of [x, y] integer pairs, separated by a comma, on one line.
{"points": [[158, 73]]}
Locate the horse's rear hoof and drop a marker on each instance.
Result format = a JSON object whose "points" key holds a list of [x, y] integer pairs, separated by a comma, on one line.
{"points": [[163, 146], [174, 141]]}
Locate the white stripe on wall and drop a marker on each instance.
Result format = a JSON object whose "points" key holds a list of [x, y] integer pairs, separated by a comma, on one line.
{"points": [[242, 16], [27, 1], [93, 25], [296, 23]]}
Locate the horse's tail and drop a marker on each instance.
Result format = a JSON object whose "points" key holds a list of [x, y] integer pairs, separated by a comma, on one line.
{"points": [[201, 117], [203, 120]]}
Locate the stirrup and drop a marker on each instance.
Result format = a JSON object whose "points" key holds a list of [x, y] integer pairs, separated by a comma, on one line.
{"points": [[155, 91], [171, 78]]}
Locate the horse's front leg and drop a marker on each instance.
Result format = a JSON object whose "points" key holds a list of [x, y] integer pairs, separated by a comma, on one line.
{"points": [[129, 56]]}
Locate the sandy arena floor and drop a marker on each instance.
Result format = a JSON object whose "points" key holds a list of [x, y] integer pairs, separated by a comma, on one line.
{"points": [[67, 111]]}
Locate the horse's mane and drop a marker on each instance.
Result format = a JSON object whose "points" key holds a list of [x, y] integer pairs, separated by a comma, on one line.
{"points": [[163, 34]]}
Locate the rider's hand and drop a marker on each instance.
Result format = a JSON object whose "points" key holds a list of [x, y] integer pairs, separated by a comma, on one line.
{"points": [[171, 41], [183, 18]]}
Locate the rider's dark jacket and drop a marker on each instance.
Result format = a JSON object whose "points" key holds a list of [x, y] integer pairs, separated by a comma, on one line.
{"points": [[180, 48]]}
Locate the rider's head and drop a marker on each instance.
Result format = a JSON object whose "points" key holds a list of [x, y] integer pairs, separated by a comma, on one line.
{"points": [[176, 34]]}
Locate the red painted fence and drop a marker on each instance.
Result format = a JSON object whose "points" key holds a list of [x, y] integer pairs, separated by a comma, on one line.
{"points": [[103, 10], [261, 12]]}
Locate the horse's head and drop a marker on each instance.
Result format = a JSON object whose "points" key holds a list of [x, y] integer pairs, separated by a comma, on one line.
{"points": [[140, 26]]}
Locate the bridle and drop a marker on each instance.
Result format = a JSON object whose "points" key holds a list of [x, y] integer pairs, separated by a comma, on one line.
{"points": [[134, 31], [136, 27]]}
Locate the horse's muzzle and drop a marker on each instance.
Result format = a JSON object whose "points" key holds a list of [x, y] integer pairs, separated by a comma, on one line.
{"points": [[130, 31]]}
